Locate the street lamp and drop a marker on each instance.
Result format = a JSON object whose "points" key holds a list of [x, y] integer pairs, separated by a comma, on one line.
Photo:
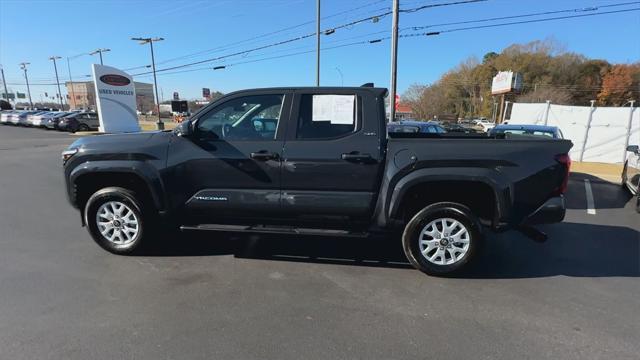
{"points": [[99, 51], [150, 41], [55, 67], [23, 66]]}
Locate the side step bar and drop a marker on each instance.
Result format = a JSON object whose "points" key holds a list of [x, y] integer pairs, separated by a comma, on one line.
{"points": [[263, 229]]}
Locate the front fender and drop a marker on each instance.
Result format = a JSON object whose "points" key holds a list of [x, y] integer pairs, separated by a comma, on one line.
{"points": [[142, 169]]}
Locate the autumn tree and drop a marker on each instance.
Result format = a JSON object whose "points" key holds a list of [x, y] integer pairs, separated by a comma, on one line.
{"points": [[549, 73], [617, 85]]}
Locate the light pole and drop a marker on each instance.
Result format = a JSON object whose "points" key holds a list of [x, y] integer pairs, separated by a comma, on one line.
{"points": [[55, 67], [159, 124], [73, 93], [23, 66], [99, 51], [394, 60], [317, 42], [4, 83]]}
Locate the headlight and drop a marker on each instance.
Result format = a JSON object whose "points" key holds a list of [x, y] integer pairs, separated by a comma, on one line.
{"points": [[67, 154]]}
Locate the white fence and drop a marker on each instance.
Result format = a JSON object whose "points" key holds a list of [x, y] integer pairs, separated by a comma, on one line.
{"points": [[599, 134]]}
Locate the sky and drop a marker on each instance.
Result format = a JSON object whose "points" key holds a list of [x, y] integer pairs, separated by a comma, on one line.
{"points": [[32, 31]]}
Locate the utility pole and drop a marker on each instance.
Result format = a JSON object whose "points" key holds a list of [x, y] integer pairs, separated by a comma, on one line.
{"points": [[394, 60], [150, 41], [73, 93], [23, 66], [4, 83], [99, 51], [317, 42], [55, 67]]}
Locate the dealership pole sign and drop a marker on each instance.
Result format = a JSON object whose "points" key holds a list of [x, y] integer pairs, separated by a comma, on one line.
{"points": [[506, 82], [116, 100]]}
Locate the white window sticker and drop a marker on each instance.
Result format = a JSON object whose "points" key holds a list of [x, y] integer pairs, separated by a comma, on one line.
{"points": [[338, 109]]}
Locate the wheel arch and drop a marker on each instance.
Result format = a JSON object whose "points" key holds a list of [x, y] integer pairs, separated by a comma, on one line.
{"points": [[469, 187], [137, 176]]}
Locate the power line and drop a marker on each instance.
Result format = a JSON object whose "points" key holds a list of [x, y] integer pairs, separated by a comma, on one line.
{"points": [[440, 5], [251, 39], [209, 68], [374, 18], [433, 33], [522, 15], [326, 31]]}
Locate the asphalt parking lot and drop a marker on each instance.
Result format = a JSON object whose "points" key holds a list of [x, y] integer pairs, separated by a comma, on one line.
{"points": [[207, 296]]}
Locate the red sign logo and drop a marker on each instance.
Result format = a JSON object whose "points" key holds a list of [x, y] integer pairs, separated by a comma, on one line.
{"points": [[115, 80]]}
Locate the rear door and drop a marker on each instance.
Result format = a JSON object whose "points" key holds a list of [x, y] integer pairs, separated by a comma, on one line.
{"points": [[332, 157], [229, 169]]}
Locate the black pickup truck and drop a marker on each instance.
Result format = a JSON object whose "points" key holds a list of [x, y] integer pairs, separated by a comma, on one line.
{"points": [[316, 161]]}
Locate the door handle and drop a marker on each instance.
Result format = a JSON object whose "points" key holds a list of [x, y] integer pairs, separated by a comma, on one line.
{"points": [[264, 155], [356, 157]]}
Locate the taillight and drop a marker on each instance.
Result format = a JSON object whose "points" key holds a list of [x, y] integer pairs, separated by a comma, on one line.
{"points": [[565, 160]]}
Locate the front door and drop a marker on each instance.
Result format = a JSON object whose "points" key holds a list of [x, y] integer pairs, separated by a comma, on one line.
{"points": [[229, 169], [332, 156]]}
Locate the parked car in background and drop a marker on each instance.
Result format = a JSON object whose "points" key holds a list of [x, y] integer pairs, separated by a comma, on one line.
{"points": [[83, 121], [52, 122], [457, 128], [21, 117], [6, 115], [415, 126], [631, 173], [527, 130], [484, 125], [39, 120]]}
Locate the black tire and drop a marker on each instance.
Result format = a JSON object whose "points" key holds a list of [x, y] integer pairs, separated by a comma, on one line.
{"points": [[121, 196], [411, 239], [623, 176], [83, 127], [638, 200]]}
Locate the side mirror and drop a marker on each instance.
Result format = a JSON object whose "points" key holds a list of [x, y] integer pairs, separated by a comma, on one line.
{"points": [[633, 148], [184, 129]]}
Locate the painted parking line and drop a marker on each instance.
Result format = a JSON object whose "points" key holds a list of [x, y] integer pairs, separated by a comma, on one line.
{"points": [[591, 207]]}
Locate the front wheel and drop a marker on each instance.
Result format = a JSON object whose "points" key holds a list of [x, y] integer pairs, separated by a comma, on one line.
{"points": [[114, 218], [441, 238]]}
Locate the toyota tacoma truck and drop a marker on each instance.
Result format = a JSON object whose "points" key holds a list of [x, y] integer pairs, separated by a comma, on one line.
{"points": [[316, 161]]}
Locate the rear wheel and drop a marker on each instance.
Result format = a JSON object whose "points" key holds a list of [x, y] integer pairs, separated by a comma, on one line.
{"points": [[441, 238], [115, 219], [83, 127]]}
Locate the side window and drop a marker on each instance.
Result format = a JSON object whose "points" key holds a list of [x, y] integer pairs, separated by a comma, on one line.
{"points": [[326, 116], [431, 129], [245, 118]]}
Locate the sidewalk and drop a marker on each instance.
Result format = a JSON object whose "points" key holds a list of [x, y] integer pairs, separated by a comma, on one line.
{"points": [[608, 172]]}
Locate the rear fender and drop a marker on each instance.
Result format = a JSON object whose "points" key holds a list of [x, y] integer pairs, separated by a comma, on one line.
{"points": [[501, 190]]}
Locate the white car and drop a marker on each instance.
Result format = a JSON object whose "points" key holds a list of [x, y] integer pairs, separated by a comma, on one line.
{"points": [[41, 120], [484, 124], [5, 116], [21, 118]]}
